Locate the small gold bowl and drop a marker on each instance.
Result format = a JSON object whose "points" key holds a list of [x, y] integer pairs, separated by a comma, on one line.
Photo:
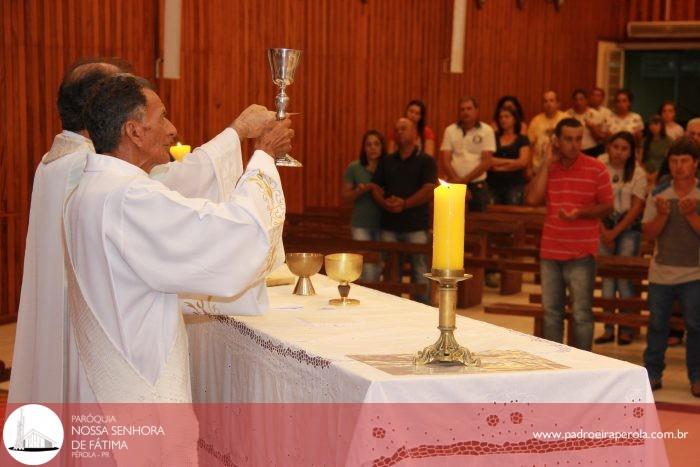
{"points": [[304, 265], [344, 268]]}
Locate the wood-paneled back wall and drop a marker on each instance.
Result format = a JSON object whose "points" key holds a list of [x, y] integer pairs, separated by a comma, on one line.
{"points": [[40, 39], [363, 60]]}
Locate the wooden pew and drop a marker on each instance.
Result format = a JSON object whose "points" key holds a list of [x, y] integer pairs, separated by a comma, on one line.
{"points": [[623, 267], [500, 233], [537, 313], [532, 217], [396, 288]]}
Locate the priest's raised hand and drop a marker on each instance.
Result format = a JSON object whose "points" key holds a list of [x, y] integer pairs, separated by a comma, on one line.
{"points": [[253, 121], [276, 138]]}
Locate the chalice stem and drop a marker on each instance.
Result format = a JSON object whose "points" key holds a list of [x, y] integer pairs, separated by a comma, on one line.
{"points": [[281, 101]]}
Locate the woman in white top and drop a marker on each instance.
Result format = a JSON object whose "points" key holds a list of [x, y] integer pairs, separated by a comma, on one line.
{"points": [[668, 114], [623, 119], [621, 231]]}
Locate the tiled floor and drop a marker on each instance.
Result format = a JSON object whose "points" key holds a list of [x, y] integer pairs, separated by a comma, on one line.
{"points": [[676, 387]]}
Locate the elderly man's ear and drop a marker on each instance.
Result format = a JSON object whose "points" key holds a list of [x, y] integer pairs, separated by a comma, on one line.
{"points": [[133, 130]]}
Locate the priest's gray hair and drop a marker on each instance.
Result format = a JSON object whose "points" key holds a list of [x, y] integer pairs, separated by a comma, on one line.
{"points": [[78, 85], [116, 99]]}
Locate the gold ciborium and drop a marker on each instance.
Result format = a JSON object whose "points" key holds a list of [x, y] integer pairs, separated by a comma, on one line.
{"points": [[304, 265], [344, 268]]}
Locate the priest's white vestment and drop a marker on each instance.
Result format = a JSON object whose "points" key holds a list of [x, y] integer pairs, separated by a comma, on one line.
{"points": [[41, 341], [42, 345], [134, 245]]}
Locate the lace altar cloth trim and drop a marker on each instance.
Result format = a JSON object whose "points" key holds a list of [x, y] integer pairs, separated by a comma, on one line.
{"points": [[299, 355]]}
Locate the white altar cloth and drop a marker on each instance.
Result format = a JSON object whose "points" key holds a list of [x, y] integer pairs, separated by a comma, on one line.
{"points": [[299, 352]]}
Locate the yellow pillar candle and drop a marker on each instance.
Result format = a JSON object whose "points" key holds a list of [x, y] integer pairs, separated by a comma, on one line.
{"points": [[180, 151], [448, 226]]}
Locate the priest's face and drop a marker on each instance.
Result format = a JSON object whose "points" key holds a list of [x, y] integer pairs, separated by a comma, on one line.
{"points": [[157, 135]]}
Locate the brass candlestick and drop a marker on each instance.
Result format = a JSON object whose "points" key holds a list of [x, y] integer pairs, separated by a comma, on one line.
{"points": [[446, 350]]}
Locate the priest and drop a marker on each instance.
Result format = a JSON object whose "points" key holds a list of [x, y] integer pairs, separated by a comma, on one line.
{"points": [[132, 245], [41, 339], [42, 344]]}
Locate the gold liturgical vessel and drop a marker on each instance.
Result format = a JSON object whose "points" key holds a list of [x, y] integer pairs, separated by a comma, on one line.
{"points": [[344, 268], [304, 265], [446, 350]]}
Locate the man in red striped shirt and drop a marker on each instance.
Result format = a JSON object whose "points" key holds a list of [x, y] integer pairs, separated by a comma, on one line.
{"points": [[577, 192]]}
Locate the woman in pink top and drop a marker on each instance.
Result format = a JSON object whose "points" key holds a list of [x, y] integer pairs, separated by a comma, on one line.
{"points": [[416, 112]]}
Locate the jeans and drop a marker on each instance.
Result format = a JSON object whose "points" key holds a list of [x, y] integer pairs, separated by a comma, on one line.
{"points": [[579, 276], [507, 194], [370, 271], [419, 264], [626, 244], [660, 307], [479, 196]]}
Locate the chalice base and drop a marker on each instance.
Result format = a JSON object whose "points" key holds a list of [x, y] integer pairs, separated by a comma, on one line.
{"points": [[304, 287], [343, 301], [446, 351]]}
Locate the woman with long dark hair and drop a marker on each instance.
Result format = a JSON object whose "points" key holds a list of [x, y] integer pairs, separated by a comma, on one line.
{"points": [[656, 144], [416, 112], [506, 177], [357, 190], [510, 102], [621, 230]]}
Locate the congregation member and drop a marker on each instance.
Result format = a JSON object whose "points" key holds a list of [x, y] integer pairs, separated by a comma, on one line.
{"points": [[693, 130], [656, 144], [403, 187], [577, 192], [466, 152], [593, 122], [506, 177], [542, 127], [596, 100], [672, 218], [365, 222], [39, 358], [622, 118], [512, 103], [621, 230], [132, 245], [668, 114], [416, 111]]}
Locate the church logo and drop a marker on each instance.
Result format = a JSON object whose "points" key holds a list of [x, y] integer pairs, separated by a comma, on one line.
{"points": [[33, 434]]}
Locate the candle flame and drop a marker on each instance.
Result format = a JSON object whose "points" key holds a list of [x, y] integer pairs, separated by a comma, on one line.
{"points": [[178, 144], [443, 182]]}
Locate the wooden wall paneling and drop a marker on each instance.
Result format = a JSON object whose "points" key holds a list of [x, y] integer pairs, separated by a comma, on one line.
{"points": [[40, 39], [655, 10]]}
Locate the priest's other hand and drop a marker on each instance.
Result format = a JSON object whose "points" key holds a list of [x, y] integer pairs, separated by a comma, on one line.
{"points": [[276, 139], [252, 121]]}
